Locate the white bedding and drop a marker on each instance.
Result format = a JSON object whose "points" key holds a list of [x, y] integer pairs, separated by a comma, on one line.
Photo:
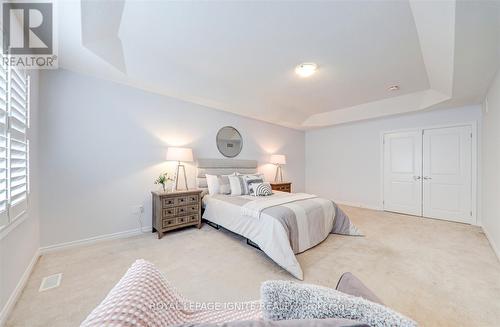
{"points": [[268, 234]]}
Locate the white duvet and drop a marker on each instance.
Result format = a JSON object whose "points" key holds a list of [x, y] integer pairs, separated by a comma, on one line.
{"points": [[267, 232]]}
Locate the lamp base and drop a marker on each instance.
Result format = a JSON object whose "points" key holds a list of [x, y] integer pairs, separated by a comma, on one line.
{"points": [[279, 173], [177, 177]]}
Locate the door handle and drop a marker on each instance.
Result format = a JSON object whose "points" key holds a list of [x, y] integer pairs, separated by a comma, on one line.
{"points": [[417, 178], [427, 177]]}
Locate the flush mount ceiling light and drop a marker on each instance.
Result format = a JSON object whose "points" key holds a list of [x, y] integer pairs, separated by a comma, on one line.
{"points": [[393, 88], [306, 69]]}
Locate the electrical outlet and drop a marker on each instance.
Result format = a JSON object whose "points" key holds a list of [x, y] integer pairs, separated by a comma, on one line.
{"points": [[138, 210]]}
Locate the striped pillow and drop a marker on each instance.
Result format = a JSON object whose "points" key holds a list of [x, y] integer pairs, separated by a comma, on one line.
{"points": [[251, 179], [224, 186], [218, 184], [260, 189], [237, 185], [249, 182]]}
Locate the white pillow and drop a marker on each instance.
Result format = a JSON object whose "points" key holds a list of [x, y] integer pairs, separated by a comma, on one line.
{"points": [[237, 184], [213, 184], [218, 184]]}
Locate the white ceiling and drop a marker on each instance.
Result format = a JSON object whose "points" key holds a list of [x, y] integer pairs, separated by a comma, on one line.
{"points": [[240, 56]]}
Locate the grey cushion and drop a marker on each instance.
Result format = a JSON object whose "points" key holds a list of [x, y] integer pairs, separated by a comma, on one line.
{"points": [[224, 186], [350, 284], [284, 300], [260, 189], [285, 323]]}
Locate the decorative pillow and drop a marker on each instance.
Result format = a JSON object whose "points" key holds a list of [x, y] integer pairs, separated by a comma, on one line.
{"points": [[224, 186], [213, 184], [260, 189], [252, 179], [249, 182], [285, 300], [336, 322], [350, 284], [218, 184], [237, 185]]}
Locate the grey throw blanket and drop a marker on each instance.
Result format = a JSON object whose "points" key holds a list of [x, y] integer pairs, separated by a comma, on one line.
{"points": [[306, 221], [284, 300]]}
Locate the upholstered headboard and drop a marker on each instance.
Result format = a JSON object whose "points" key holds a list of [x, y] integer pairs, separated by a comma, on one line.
{"points": [[223, 167]]}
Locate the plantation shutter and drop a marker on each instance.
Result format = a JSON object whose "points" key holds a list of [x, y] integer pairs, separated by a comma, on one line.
{"points": [[18, 147], [3, 145]]}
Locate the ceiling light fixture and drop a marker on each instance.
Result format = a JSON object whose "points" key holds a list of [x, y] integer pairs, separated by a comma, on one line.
{"points": [[393, 88], [306, 69]]}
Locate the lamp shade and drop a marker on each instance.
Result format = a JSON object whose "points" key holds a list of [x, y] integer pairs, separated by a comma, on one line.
{"points": [[180, 154], [278, 159]]}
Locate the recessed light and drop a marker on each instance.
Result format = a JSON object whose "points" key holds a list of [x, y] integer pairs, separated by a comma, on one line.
{"points": [[393, 88], [306, 69]]}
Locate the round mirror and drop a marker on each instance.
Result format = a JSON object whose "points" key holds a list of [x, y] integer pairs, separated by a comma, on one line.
{"points": [[229, 141]]}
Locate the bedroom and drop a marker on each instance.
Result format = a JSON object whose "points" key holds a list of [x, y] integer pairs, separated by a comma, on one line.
{"points": [[325, 100]]}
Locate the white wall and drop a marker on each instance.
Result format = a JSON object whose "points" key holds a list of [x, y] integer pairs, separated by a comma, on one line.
{"points": [[491, 166], [103, 144], [19, 243], [344, 162]]}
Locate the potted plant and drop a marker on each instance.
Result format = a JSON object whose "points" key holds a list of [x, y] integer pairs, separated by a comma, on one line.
{"points": [[162, 180]]}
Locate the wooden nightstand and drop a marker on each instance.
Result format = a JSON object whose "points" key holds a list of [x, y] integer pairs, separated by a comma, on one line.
{"points": [[172, 210], [282, 186]]}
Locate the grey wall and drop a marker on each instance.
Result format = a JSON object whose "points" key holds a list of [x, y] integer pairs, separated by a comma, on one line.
{"points": [[104, 143], [491, 166]]}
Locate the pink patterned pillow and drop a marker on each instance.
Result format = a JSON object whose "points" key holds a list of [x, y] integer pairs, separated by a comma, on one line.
{"points": [[143, 297]]}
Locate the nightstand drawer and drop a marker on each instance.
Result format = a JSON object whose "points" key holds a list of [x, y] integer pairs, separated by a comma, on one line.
{"points": [[181, 200], [193, 198], [169, 212], [193, 218], [282, 187], [182, 220], [168, 202], [181, 211], [192, 208], [166, 223]]}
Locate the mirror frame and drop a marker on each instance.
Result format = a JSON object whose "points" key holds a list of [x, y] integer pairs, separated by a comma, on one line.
{"points": [[217, 141]]}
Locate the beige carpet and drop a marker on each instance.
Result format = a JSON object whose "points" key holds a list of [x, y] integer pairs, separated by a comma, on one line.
{"points": [[438, 273]]}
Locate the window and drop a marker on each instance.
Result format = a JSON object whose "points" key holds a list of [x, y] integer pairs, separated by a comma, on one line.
{"points": [[14, 145]]}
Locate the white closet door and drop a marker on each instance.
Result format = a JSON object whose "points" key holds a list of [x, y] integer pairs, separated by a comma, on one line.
{"points": [[447, 173], [402, 172]]}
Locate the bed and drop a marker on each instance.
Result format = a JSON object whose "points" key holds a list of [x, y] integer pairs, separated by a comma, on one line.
{"points": [[282, 225]]}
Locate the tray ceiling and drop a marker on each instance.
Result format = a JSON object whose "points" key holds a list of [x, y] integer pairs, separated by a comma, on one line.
{"points": [[240, 56]]}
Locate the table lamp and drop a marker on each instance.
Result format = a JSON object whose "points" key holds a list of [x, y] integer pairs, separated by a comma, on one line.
{"points": [[180, 155], [278, 160]]}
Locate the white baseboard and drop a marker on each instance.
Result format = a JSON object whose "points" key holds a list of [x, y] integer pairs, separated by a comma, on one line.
{"points": [[358, 205], [94, 239], [493, 245], [7, 309]]}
